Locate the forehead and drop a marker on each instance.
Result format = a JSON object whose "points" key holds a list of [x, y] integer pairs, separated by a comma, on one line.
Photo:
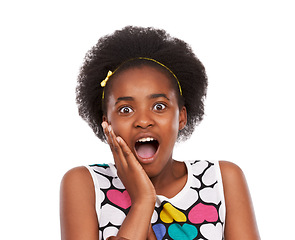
{"points": [[141, 81]]}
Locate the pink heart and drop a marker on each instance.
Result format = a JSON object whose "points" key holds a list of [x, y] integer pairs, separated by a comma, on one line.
{"points": [[201, 212], [121, 199]]}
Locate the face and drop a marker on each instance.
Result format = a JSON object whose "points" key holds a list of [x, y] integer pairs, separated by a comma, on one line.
{"points": [[142, 108]]}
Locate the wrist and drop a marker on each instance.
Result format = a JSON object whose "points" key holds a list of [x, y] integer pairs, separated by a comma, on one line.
{"points": [[143, 204], [147, 199], [137, 222]]}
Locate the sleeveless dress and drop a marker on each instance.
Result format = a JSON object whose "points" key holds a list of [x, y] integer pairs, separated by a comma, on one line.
{"points": [[196, 212]]}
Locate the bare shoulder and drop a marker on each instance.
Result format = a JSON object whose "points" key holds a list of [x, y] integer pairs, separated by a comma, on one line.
{"points": [[77, 205], [76, 177], [234, 181], [240, 220], [77, 183], [229, 169]]}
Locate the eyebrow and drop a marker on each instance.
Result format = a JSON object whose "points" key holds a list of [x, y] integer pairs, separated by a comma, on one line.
{"points": [[152, 96], [124, 99], [158, 95]]}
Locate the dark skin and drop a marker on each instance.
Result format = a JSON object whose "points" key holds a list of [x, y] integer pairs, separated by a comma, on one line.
{"points": [[143, 103]]}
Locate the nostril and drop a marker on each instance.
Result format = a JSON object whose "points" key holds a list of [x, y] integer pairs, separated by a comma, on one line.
{"points": [[144, 125], [144, 122]]}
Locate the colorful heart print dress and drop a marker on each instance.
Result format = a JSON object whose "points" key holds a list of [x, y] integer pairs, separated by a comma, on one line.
{"points": [[196, 212]]}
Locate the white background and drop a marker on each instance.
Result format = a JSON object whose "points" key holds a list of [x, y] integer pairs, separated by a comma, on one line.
{"points": [[247, 48]]}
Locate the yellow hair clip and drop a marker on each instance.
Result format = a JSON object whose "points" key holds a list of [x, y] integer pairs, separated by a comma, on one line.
{"points": [[110, 73], [104, 82]]}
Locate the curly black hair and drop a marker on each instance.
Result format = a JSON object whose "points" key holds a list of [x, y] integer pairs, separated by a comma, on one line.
{"points": [[133, 42]]}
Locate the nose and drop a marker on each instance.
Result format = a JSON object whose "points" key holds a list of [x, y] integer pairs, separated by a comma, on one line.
{"points": [[144, 120]]}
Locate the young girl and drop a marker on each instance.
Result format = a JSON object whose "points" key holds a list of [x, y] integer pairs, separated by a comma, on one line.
{"points": [[141, 90]]}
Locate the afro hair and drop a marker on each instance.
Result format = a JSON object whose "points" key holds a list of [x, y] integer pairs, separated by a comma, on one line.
{"points": [[135, 42]]}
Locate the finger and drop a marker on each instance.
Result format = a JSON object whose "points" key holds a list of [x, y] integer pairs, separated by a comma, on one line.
{"points": [[128, 154], [116, 148], [109, 136], [106, 132]]}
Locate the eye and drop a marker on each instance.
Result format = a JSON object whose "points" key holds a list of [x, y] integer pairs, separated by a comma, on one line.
{"points": [[159, 107], [125, 110]]}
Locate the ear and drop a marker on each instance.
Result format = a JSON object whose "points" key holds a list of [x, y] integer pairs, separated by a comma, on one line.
{"points": [[182, 118]]}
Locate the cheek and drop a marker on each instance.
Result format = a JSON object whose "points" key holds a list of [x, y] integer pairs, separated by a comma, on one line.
{"points": [[121, 128], [171, 123]]}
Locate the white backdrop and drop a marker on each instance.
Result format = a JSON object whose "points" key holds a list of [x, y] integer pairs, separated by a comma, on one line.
{"points": [[247, 48]]}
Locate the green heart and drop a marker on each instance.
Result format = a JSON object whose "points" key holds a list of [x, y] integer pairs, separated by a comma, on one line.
{"points": [[184, 232]]}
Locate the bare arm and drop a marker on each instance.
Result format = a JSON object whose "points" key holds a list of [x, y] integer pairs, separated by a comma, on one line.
{"points": [[77, 199], [77, 206], [240, 220]]}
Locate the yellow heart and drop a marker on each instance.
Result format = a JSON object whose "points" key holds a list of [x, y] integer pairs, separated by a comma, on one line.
{"points": [[169, 213]]}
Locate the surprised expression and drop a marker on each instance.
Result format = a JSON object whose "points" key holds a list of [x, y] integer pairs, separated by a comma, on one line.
{"points": [[142, 107]]}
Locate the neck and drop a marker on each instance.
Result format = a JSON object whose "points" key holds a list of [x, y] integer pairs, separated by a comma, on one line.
{"points": [[171, 180]]}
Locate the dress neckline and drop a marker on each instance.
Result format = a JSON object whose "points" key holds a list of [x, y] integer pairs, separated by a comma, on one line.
{"points": [[182, 192]]}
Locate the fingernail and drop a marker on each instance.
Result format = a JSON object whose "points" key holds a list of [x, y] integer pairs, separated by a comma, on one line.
{"points": [[118, 139], [104, 125], [110, 128]]}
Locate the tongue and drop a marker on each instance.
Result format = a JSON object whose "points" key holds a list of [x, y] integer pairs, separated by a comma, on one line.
{"points": [[146, 150]]}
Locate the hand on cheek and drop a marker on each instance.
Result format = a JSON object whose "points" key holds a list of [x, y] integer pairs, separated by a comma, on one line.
{"points": [[131, 173]]}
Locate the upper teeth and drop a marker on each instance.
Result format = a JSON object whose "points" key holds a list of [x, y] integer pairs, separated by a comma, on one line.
{"points": [[148, 139]]}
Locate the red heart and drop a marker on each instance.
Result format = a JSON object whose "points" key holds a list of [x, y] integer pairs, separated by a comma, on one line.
{"points": [[201, 212], [121, 199]]}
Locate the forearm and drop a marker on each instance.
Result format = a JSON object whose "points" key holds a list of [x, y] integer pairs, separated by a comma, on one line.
{"points": [[137, 222]]}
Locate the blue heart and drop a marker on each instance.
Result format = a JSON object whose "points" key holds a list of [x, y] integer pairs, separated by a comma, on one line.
{"points": [[184, 232], [159, 230]]}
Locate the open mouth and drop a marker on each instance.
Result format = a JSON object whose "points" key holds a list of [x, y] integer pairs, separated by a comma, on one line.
{"points": [[146, 147]]}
